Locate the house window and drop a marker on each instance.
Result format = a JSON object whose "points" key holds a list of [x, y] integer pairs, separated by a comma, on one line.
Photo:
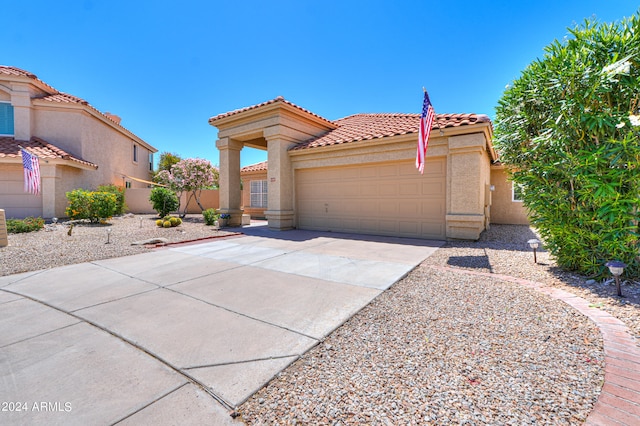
{"points": [[258, 193], [151, 161], [127, 184], [135, 153], [6, 118], [516, 192]]}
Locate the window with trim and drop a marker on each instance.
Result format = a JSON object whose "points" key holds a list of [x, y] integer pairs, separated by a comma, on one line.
{"points": [[516, 192], [151, 161], [135, 153], [258, 193], [6, 118]]}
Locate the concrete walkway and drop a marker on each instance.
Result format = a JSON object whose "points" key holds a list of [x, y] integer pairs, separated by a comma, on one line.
{"points": [[184, 334]]}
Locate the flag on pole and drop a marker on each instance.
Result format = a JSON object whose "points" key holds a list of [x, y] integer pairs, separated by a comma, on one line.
{"points": [[426, 121], [31, 172]]}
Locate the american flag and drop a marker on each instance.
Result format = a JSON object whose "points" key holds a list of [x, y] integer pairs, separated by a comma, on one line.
{"points": [[31, 172], [426, 121]]}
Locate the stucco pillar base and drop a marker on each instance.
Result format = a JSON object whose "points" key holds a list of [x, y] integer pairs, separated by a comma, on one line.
{"points": [[4, 240], [465, 226], [236, 216], [280, 220]]}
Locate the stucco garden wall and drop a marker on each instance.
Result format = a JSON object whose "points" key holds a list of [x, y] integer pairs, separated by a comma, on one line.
{"points": [[137, 201]]}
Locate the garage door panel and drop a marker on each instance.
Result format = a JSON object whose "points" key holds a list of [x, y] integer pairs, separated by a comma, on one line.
{"points": [[405, 228], [384, 199], [388, 189], [413, 188]]}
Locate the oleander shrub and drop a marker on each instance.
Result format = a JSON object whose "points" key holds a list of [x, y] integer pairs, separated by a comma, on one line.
{"points": [[118, 191], [28, 224], [164, 201], [568, 129], [93, 205], [210, 216]]}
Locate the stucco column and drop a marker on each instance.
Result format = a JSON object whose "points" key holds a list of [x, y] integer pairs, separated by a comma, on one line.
{"points": [[229, 182], [280, 189], [21, 102], [48, 188], [467, 179]]}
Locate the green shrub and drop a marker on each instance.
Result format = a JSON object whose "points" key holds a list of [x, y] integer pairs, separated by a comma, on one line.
{"points": [[568, 131], [164, 201], [210, 216], [92, 205], [29, 224], [118, 191]]}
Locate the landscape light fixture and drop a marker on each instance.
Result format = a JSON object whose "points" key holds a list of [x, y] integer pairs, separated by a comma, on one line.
{"points": [[533, 243], [108, 234], [616, 268], [54, 220]]}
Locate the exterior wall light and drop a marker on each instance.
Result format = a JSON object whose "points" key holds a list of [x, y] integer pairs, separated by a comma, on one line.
{"points": [[616, 268], [534, 244]]}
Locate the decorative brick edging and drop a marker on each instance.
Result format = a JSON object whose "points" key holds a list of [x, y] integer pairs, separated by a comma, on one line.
{"points": [[619, 400]]}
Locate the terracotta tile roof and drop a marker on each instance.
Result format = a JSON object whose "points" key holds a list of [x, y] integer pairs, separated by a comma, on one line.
{"points": [[64, 98], [16, 71], [9, 148], [56, 96], [360, 127], [279, 99], [254, 167]]}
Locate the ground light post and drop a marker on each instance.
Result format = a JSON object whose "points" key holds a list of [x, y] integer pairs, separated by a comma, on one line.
{"points": [[616, 268], [533, 243]]}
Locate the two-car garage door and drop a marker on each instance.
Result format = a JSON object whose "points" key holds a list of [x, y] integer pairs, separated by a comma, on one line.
{"points": [[379, 199]]}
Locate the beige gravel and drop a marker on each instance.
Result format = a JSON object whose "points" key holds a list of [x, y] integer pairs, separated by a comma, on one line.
{"points": [[437, 348], [53, 246]]}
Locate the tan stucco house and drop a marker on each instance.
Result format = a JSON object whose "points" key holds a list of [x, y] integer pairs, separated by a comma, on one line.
{"points": [[78, 146], [357, 174]]}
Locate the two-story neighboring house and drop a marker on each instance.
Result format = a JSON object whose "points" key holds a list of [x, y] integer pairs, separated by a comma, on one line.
{"points": [[77, 145]]}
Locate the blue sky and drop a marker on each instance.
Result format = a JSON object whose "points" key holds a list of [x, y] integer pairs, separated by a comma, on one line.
{"points": [[167, 66]]}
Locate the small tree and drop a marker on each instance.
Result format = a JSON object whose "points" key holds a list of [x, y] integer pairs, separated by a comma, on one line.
{"points": [[569, 130], [167, 161], [190, 176], [164, 201]]}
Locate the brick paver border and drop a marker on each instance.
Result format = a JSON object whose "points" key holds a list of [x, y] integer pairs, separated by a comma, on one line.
{"points": [[619, 400]]}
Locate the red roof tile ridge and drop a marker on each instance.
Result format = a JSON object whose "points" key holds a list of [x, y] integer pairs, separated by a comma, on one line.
{"points": [[10, 147], [277, 99], [9, 70], [255, 167]]}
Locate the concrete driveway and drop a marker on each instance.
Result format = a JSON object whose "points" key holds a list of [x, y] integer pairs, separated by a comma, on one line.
{"points": [[183, 334]]}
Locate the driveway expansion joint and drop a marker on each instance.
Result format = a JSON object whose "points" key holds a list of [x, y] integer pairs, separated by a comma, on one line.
{"points": [[166, 363]]}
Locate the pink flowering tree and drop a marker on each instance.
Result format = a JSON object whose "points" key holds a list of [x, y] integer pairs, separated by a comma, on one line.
{"points": [[189, 176]]}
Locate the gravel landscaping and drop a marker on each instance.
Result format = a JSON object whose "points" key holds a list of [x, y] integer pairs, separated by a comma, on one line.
{"points": [[442, 346], [53, 246]]}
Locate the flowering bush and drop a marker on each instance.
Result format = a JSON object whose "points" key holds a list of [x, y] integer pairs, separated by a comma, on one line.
{"points": [[92, 205], [118, 191], [191, 175]]}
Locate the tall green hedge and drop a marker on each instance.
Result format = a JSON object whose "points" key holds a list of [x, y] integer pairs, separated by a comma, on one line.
{"points": [[569, 131]]}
